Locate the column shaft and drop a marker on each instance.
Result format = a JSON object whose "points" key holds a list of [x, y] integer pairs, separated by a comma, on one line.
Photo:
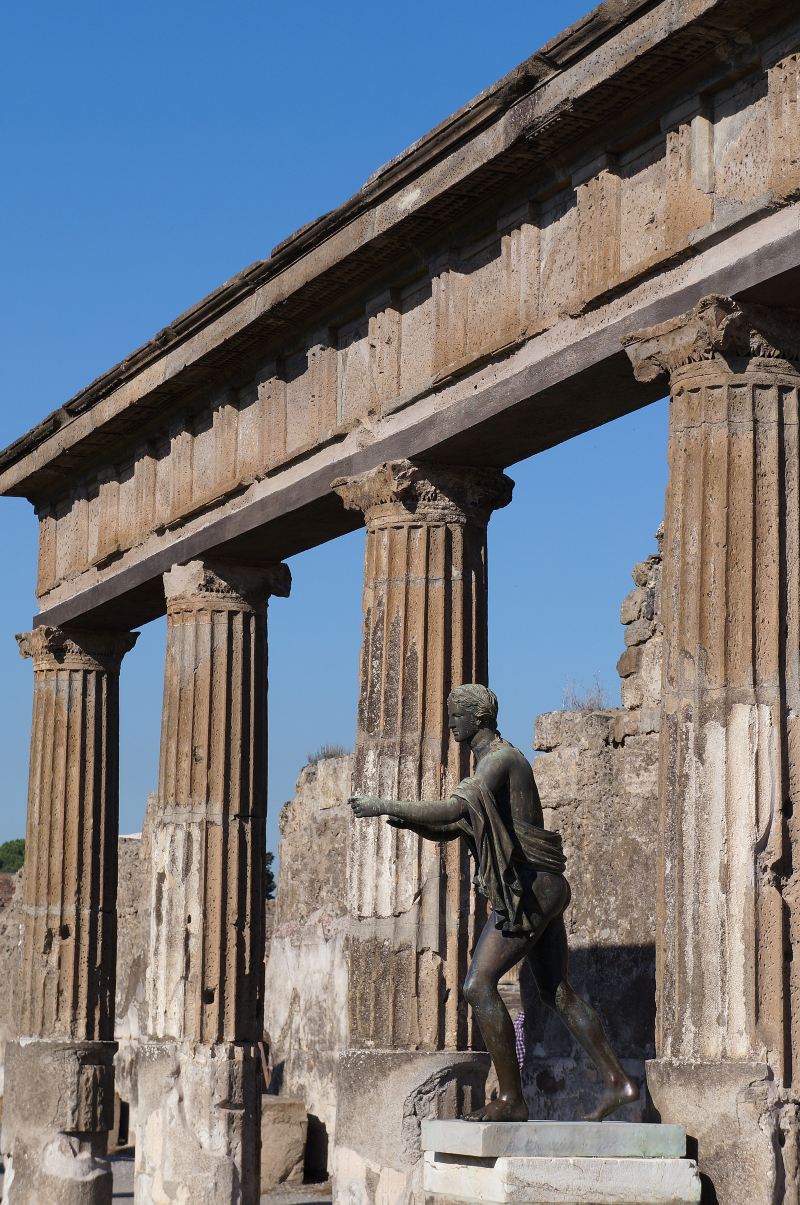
{"points": [[206, 957], [411, 901], [65, 995], [729, 765]]}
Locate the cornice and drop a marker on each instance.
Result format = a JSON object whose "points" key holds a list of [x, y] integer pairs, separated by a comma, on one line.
{"points": [[516, 117]]}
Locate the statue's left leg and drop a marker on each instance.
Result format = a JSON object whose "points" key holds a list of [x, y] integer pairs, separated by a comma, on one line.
{"points": [[549, 963]]}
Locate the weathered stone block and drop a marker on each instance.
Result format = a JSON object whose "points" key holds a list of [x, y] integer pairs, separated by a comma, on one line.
{"points": [[198, 1136], [629, 662], [633, 605], [59, 1103], [284, 1126], [638, 632]]}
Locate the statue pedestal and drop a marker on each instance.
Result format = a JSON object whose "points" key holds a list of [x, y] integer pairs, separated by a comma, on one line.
{"points": [[572, 1163]]}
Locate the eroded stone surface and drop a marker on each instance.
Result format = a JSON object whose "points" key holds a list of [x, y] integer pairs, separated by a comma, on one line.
{"points": [[198, 1124], [305, 993]]}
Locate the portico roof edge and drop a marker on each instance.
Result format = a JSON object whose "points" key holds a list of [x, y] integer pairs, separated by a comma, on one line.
{"points": [[562, 53], [428, 437]]}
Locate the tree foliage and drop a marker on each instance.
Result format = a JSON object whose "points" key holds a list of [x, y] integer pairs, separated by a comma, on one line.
{"points": [[270, 883], [12, 855]]}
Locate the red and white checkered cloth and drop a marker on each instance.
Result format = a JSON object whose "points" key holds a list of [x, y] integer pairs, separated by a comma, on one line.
{"points": [[519, 1038]]}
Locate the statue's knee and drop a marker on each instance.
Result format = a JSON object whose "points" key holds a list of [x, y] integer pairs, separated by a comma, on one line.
{"points": [[548, 999], [473, 990], [562, 998]]}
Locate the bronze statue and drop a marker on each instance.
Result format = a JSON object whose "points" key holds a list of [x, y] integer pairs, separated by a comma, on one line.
{"points": [[520, 867]]}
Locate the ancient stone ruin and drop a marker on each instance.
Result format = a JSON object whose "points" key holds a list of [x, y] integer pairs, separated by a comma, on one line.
{"points": [[616, 218]]}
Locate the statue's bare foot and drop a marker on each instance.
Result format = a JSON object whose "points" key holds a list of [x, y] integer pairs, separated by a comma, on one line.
{"points": [[613, 1098], [501, 1110]]}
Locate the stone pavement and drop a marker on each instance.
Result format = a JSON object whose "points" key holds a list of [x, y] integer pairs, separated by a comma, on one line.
{"points": [[284, 1194]]}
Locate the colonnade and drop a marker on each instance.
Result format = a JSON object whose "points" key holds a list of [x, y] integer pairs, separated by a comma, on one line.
{"points": [[729, 768]]}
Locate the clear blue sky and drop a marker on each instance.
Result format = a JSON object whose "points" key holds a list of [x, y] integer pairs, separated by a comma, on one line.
{"points": [[153, 150]]}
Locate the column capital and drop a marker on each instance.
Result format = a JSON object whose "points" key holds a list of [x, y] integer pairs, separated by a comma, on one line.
{"points": [[404, 490], [217, 584], [76, 648], [717, 330]]}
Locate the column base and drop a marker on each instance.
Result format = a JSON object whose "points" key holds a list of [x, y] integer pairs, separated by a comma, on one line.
{"points": [[383, 1096], [198, 1118], [58, 1108], [735, 1112]]}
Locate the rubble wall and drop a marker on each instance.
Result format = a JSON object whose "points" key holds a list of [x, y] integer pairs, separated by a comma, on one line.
{"points": [[597, 773], [305, 1012]]}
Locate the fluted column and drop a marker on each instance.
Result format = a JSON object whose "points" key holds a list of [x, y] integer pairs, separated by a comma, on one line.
{"points": [[206, 957], [59, 1079], [727, 1036], [411, 901]]}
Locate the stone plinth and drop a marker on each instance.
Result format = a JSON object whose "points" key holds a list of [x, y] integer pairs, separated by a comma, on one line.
{"points": [[284, 1126], [571, 1163], [555, 1139]]}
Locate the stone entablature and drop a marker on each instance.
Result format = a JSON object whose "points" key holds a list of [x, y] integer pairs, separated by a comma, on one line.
{"points": [[609, 166]]}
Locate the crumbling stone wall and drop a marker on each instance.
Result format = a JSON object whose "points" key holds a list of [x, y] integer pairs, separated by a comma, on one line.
{"points": [[597, 773], [10, 919], [133, 932], [305, 1012]]}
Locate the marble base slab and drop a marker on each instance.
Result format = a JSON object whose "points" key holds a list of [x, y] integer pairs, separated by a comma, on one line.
{"points": [[560, 1181], [558, 1139], [572, 1163]]}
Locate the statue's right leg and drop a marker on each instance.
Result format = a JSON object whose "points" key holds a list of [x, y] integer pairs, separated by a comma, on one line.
{"points": [[495, 954], [549, 961]]}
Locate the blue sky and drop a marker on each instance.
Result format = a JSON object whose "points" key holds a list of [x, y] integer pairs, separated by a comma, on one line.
{"points": [[151, 152]]}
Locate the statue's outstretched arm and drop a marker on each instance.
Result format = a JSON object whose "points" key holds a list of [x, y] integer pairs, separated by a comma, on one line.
{"points": [[425, 812], [439, 832]]}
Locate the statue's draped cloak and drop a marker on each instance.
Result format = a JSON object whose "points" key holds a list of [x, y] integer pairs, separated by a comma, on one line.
{"points": [[507, 856]]}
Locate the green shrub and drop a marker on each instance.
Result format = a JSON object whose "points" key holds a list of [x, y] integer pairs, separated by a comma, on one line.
{"points": [[12, 855]]}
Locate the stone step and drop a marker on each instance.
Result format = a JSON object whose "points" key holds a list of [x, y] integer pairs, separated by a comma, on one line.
{"points": [[534, 1180]]}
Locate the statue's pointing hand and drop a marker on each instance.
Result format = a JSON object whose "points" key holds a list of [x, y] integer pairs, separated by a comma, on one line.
{"points": [[366, 805]]}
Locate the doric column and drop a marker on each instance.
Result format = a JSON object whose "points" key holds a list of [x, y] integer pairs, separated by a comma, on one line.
{"points": [[727, 1034], [410, 901], [206, 959], [59, 1077]]}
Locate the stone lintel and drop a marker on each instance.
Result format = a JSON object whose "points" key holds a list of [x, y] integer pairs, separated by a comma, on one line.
{"points": [[718, 329], [217, 583], [76, 648], [404, 489]]}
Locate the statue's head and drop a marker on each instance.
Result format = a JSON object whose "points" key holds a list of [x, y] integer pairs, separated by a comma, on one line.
{"points": [[469, 708]]}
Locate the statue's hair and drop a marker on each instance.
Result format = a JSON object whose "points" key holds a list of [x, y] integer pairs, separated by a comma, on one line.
{"points": [[481, 701]]}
